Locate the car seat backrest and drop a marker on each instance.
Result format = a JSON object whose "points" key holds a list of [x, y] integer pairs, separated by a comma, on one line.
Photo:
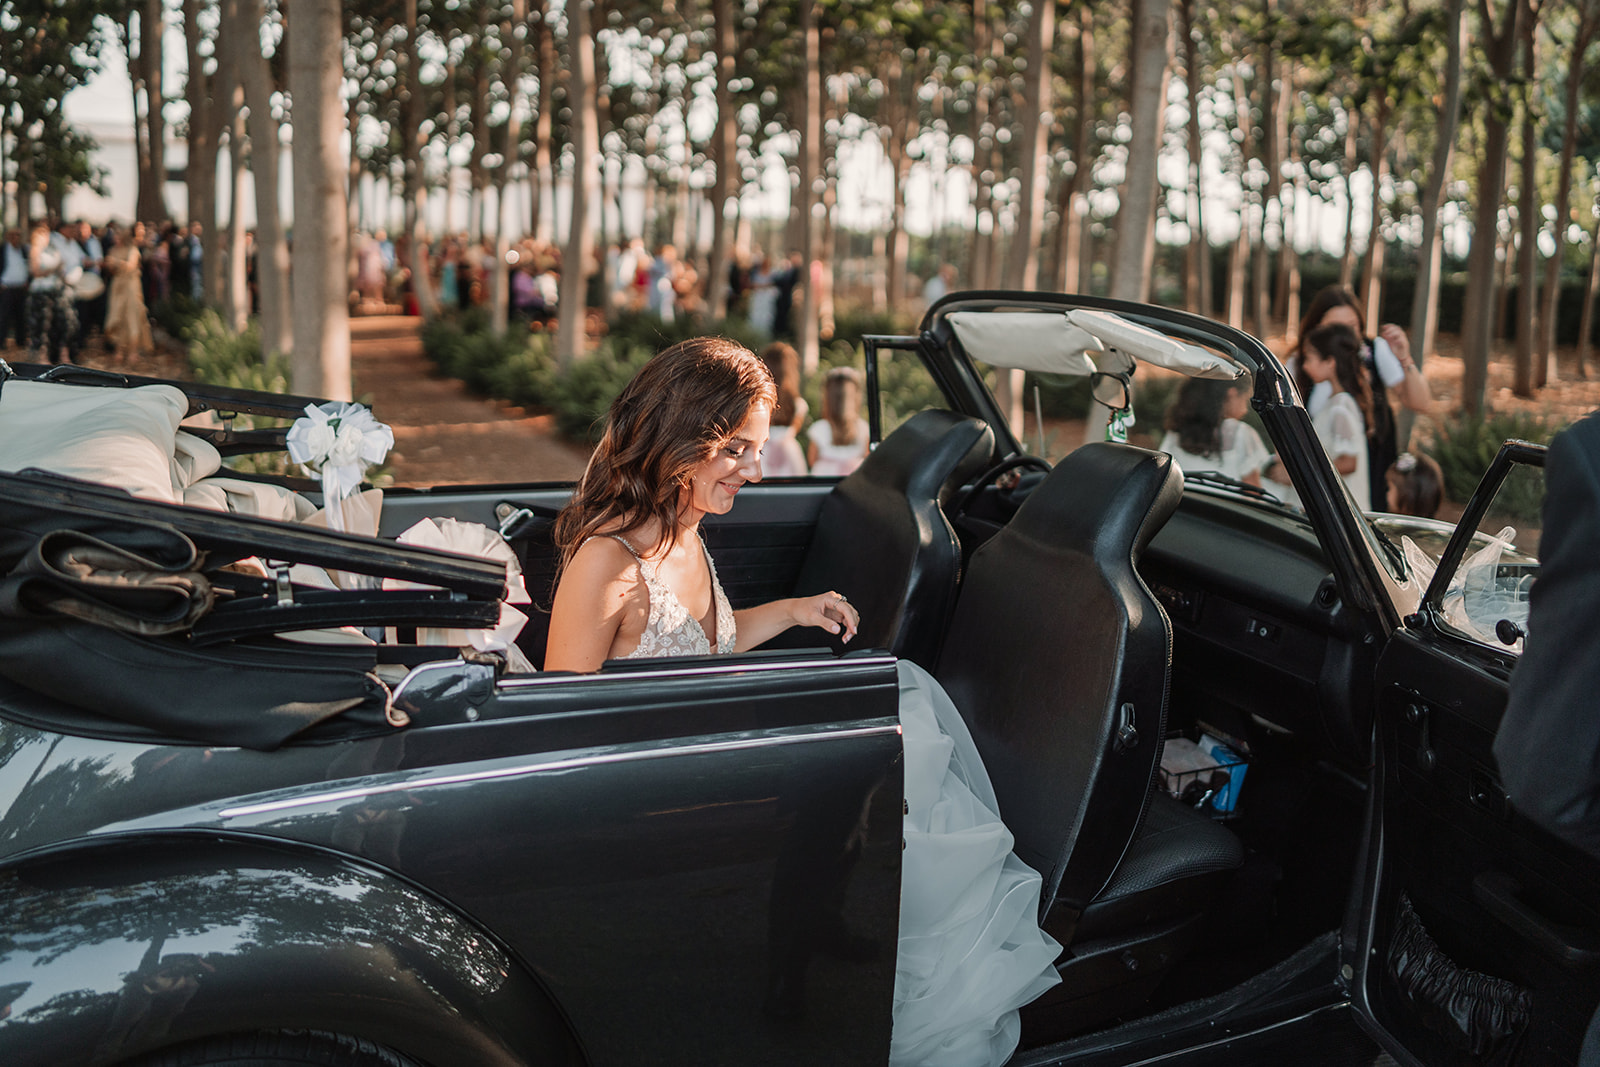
{"points": [[1058, 658], [882, 538]]}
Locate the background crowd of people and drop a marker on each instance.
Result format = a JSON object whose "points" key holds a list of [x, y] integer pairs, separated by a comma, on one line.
{"points": [[65, 283], [1350, 383]]}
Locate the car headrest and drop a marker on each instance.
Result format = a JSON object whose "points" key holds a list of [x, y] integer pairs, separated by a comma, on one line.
{"points": [[928, 457], [1102, 496]]}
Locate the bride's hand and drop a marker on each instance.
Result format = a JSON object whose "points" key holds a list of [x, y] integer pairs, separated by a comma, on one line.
{"points": [[830, 611]]}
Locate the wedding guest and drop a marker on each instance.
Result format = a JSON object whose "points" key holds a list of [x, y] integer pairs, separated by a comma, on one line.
{"points": [[840, 439], [1332, 354], [50, 313], [1389, 366], [127, 323], [1414, 485], [1204, 431], [14, 278], [784, 457]]}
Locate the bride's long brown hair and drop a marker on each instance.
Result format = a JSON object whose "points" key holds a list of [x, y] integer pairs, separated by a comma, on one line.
{"points": [[677, 411]]}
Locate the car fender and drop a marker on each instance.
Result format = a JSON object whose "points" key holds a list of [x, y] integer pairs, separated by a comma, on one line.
{"points": [[114, 947]]}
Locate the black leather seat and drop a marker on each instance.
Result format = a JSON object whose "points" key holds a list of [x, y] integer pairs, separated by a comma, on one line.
{"points": [[882, 538], [1058, 657]]}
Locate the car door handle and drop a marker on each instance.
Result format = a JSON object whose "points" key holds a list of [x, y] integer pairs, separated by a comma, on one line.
{"points": [[1500, 895]]}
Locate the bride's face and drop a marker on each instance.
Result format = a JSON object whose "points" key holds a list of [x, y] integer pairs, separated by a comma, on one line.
{"points": [[714, 482]]}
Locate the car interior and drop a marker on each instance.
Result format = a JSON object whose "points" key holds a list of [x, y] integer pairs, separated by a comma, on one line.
{"points": [[1191, 613]]}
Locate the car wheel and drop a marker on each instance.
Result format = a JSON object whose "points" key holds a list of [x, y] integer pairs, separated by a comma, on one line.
{"points": [[276, 1048]]}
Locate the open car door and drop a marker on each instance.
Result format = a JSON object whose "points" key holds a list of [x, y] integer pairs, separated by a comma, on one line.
{"points": [[1478, 939]]}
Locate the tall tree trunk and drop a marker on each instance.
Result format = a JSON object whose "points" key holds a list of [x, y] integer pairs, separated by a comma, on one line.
{"points": [[1371, 295], [500, 307], [1286, 277], [152, 36], [576, 259], [899, 127], [1239, 257], [1586, 320], [233, 38], [1582, 37], [1529, 215], [725, 157], [200, 173], [236, 284], [1197, 286], [1271, 208], [810, 169], [1022, 267], [1075, 218], [416, 186], [478, 112], [1477, 328], [1347, 258], [1130, 273], [128, 30], [982, 148], [542, 178], [321, 312], [1425, 303], [272, 251]]}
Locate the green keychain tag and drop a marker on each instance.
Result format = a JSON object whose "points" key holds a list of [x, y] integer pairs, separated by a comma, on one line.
{"points": [[1117, 425]]}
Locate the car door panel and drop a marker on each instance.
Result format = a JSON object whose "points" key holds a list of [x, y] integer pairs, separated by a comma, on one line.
{"points": [[1482, 930], [723, 842]]}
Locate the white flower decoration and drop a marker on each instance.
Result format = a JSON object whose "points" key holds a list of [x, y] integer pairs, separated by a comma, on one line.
{"points": [[338, 442]]}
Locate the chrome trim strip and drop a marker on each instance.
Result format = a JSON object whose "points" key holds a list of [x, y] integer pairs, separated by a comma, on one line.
{"points": [[533, 680], [341, 795]]}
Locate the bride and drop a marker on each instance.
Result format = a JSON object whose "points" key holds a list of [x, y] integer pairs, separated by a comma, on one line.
{"points": [[683, 438]]}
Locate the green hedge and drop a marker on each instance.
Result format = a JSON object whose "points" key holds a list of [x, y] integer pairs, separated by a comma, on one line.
{"points": [[1464, 447]]}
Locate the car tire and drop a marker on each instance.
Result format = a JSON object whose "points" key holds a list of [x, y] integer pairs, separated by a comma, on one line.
{"points": [[277, 1048]]}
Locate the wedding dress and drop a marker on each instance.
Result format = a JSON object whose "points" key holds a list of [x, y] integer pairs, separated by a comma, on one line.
{"points": [[970, 950]]}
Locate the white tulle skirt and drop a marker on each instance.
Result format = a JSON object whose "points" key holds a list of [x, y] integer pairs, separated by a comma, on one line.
{"points": [[971, 952]]}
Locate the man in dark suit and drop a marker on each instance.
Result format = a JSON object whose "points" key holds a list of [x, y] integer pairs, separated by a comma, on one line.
{"points": [[1548, 747], [14, 278]]}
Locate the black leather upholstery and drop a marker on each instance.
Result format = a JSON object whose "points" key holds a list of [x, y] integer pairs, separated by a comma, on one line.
{"points": [[1177, 863], [1054, 635], [883, 540]]}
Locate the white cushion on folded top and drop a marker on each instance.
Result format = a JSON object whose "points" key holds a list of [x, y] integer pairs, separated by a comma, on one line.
{"points": [[118, 437], [240, 497]]}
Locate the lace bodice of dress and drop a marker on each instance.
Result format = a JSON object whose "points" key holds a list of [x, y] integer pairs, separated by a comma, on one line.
{"points": [[670, 629]]}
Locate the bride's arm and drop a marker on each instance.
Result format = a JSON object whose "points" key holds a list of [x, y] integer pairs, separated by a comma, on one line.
{"points": [[597, 589], [830, 611]]}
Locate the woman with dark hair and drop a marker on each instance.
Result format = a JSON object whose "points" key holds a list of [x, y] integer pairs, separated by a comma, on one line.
{"points": [[841, 438], [1389, 367], [683, 438], [1204, 431], [1415, 485], [784, 457], [1332, 355]]}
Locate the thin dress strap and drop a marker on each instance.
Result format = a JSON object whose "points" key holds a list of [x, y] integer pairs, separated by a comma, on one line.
{"points": [[670, 630]]}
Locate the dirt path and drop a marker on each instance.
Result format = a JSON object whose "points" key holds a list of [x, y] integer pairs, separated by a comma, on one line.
{"points": [[443, 434]]}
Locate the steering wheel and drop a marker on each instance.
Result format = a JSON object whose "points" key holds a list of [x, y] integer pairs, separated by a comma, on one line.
{"points": [[988, 477]]}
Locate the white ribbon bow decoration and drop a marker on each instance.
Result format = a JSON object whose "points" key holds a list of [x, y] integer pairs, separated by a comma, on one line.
{"points": [[338, 442]]}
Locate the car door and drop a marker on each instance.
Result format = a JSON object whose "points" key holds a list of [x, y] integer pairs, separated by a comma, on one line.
{"points": [[1478, 937]]}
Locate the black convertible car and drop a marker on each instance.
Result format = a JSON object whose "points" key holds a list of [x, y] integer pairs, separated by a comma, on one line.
{"points": [[250, 817]]}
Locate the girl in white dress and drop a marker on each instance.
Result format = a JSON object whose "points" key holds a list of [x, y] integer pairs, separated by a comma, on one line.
{"points": [[1332, 354], [684, 437], [1204, 431], [783, 457], [840, 438]]}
